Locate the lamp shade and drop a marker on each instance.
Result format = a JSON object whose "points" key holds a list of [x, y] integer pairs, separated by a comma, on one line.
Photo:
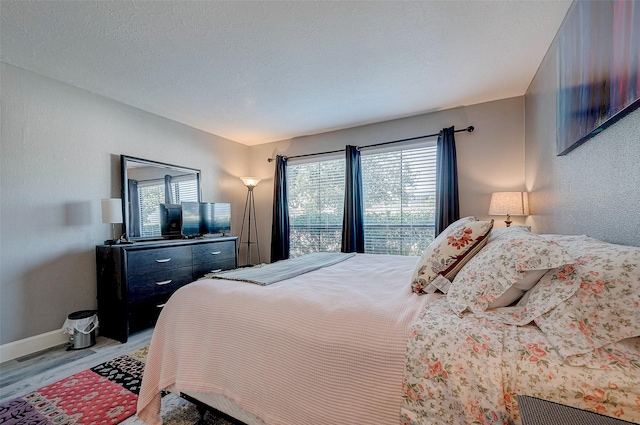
{"points": [[111, 210], [250, 181], [509, 203]]}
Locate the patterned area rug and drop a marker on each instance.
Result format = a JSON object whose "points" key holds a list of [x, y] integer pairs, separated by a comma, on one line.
{"points": [[105, 394], [178, 411]]}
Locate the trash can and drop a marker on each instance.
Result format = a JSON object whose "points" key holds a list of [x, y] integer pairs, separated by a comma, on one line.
{"points": [[81, 328]]}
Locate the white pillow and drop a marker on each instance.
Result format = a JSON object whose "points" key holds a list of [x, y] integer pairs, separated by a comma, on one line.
{"points": [[515, 292]]}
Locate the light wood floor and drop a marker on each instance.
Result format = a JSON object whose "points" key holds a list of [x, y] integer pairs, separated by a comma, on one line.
{"points": [[25, 374]]}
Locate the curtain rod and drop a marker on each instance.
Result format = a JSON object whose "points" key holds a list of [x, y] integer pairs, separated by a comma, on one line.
{"points": [[469, 129]]}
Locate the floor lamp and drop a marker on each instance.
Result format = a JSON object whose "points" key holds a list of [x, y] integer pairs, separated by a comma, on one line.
{"points": [[250, 207]]}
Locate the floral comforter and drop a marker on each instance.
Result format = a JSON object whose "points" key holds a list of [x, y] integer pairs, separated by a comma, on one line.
{"points": [[468, 370]]}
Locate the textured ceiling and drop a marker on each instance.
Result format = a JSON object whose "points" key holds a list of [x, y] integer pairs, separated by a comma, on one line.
{"points": [[256, 72]]}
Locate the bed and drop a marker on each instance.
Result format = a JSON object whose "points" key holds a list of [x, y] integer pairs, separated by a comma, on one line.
{"points": [[374, 339]]}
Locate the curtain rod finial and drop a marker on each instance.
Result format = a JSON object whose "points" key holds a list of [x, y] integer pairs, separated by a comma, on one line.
{"points": [[470, 129], [270, 159]]}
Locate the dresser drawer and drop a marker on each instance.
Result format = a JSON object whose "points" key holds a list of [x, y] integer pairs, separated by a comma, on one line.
{"points": [[162, 282], [213, 252], [144, 313], [200, 270], [154, 260]]}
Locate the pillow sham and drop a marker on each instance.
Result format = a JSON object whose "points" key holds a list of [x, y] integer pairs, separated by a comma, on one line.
{"points": [[507, 267], [449, 252], [551, 290], [606, 306], [502, 230]]}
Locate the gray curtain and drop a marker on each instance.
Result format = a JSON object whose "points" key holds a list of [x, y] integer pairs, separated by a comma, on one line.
{"points": [[168, 196], [134, 229], [447, 204], [353, 217], [280, 226]]}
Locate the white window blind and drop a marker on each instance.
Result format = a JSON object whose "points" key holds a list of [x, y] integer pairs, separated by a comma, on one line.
{"points": [[149, 197], [184, 189], [399, 202], [399, 190], [316, 199]]}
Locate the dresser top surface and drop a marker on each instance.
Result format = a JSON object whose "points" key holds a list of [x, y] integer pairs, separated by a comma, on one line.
{"points": [[167, 243]]}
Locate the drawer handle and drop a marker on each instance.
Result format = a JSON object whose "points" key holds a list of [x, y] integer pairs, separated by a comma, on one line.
{"points": [[164, 282], [164, 260], [215, 252], [161, 305], [216, 270]]}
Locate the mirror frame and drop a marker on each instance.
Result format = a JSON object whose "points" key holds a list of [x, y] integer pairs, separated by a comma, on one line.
{"points": [[124, 162]]}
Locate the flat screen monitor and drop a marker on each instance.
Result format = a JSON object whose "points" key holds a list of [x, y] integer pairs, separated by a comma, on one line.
{"points": [[190, 219], [215, 218], [170, 220]]}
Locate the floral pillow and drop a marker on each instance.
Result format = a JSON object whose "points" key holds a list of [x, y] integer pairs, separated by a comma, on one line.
{"points": [[495, 233], [449, 252], [507, 267], [605, 308], [552, 289]]}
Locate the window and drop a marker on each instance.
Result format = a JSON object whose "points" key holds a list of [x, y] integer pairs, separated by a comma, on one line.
{"points": [[316, 200], [399, 198], [151, 194], [149, 197], [184, 189], [399, 190]]}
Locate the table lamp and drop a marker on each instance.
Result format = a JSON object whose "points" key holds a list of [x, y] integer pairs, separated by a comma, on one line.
{"points": [[509, 203], [112, 214]]}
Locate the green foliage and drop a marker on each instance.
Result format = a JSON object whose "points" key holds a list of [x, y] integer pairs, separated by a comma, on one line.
{"points": [[399, 198]]}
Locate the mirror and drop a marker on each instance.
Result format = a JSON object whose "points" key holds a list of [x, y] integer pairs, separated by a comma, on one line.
{"points": [[147, 184]]}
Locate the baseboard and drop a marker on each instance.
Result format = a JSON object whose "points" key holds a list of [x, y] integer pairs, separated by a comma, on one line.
{"points": [[31, 345]]}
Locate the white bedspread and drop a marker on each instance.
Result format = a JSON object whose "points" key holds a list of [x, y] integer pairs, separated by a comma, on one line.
{"points": [[326, 347]]}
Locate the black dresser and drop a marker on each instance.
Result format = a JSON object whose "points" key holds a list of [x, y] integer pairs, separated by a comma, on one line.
{"points": [[136, 280]]}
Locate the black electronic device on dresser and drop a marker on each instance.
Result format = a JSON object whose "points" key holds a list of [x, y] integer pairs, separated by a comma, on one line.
{"points": [[136, 280]]}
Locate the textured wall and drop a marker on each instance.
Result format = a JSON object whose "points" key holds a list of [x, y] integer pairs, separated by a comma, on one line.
{"points": [[594, 189], [247, 70], [489, 159], [60, 155]]}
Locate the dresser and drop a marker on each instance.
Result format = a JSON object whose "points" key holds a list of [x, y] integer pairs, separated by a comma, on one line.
{"points": [[136, 280]]}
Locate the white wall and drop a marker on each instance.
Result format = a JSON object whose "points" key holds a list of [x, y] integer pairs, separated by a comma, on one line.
{"points": [[489, 159], [594, 189], [60, 155]]}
